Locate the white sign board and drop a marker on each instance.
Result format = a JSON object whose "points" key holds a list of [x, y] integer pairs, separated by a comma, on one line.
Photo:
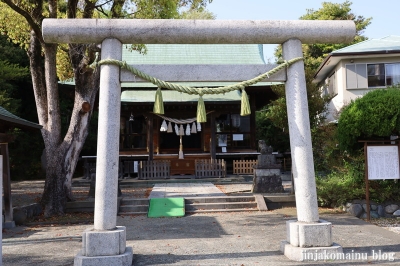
{"points": [[383, 162], [237, 137]]}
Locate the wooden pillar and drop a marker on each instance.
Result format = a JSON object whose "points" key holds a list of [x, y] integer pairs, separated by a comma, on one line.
{"points": [[213, 137], [150, 136], [8, 211], [253, 140]]}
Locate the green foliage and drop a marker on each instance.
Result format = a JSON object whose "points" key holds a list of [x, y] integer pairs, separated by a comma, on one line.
{"points": [[376, 114], [316, 53], [167, 9], [324, 142], [273, 136], [13, 70], [327, 156], [26, 165], [197, 14], [348, 183]]}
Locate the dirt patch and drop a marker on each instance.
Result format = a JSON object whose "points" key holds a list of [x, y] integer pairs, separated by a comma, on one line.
{"points": [[69, 218]]}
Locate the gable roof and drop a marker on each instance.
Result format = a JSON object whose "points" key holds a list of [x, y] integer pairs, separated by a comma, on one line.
{"points": [[196, 54], [386, 44], [383, 46], [16, 121], [146, 96]]}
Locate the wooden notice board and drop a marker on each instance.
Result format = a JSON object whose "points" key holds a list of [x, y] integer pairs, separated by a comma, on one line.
{"points": [[383, 162]]}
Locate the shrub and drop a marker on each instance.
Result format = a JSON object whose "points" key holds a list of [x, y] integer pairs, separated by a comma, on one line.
{"points": [[348, 183], [377, 114]]}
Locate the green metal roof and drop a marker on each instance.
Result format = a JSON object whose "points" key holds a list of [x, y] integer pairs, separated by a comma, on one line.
{"points": [[196, 54], [193, 84], [147, 96], [9, 117], [388, 43]]}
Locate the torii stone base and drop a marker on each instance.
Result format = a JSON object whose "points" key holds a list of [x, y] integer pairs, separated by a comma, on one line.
{"points": [[305, 238], [104, 247]]}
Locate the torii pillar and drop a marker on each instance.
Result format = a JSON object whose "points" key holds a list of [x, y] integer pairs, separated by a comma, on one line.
{"points": [[105, 243]]}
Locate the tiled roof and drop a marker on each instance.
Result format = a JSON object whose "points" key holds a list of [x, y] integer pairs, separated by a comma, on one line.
{"points": [[9, 117], [146, 96], [235, 54], [388, 43]]}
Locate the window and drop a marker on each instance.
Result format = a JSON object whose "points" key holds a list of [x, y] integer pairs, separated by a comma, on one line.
{"points": [[356, 76], [362, 76], [133, 132], [392, 74], [376, 75], [332, 84], [233, 131]]}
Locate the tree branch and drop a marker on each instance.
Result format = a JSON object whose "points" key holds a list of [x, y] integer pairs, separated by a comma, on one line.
{"points": [[35, 27]]}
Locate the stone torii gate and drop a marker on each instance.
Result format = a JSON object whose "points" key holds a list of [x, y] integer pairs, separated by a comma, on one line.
{"points": [[105, 244]]}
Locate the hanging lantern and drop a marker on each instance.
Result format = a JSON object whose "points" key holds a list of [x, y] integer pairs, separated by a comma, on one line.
{"points": [[194, 128], [163, 126], [169, 130], [188, 130]]}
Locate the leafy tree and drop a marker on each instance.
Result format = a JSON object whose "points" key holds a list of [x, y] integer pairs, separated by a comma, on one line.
{"points": [[314, 54], [21, 21], [375, 115], [17, 97], [12, 72]]}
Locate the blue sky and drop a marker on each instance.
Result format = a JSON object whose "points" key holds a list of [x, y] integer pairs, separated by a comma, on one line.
{"points": [[385, 13]]}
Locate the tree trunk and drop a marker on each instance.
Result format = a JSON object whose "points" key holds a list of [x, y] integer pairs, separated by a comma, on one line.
{"points": [[62, 154]]}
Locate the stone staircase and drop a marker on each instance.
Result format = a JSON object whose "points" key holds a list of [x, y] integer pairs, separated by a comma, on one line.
{"points": [[250, 202], [130, 206]]}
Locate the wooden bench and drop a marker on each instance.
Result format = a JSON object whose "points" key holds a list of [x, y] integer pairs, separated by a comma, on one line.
{"points": [[210, 168], [243, 167], [159, 169]]}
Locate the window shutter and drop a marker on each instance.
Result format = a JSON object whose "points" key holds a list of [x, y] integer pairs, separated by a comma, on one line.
{"points": [[356, 76], [351, 76], [362, 77]]}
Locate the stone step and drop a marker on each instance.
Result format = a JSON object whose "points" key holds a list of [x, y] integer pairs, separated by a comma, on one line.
{"points": [[220, 210], [135, 201], [133, 208], [221, 206], [219, 199]]}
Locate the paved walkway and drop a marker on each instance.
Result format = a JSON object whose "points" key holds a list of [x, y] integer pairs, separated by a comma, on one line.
{"points": [[244, 238], [168, 190]]}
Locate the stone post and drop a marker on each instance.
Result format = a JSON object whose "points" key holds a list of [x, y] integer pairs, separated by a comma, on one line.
{"points": [[307, 234], [300, 135], [105, 244]]}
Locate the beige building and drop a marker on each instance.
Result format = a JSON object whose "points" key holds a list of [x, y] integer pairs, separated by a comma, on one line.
{"points": [[353, 71]]}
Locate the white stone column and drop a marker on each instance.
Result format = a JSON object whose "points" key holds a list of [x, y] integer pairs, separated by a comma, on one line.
{"points": [[105, 208], [308, 234], [300, 135], [105, 244]]}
